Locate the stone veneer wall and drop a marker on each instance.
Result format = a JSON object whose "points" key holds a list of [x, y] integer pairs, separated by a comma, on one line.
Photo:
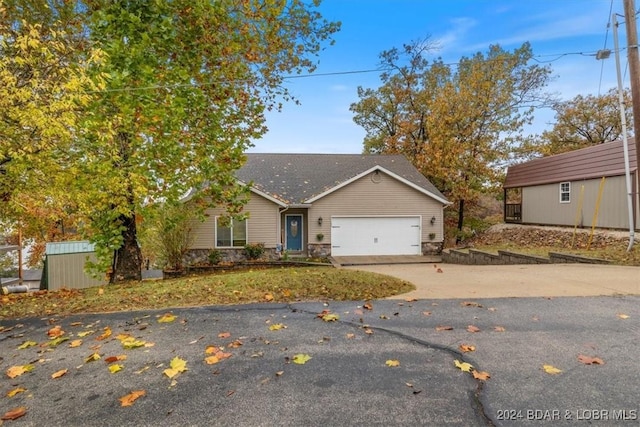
{"points": [[201, 256]]}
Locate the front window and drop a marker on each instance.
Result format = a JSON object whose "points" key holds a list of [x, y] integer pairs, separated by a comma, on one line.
{"points": [[231, 233], [565, 192]]}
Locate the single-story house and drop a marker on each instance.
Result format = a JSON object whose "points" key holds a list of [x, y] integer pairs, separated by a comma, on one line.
{"points": [[574, 188], [328, 204]]}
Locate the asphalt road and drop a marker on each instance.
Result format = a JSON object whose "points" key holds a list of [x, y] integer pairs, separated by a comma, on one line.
{"points": [[347, 380]]}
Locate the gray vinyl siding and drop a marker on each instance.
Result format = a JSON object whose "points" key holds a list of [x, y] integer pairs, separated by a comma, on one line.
{"points": [[67, 271], [387, 197], [541, 204], [262, 224]]}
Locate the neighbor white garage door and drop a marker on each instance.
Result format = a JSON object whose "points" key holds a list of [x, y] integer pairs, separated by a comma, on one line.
{"points": [[375, 236]]}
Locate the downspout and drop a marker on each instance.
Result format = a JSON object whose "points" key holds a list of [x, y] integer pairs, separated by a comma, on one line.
{"points": [[625, 143]]}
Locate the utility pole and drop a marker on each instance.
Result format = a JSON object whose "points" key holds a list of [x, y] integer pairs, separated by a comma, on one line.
{"points": [[634, 75]]}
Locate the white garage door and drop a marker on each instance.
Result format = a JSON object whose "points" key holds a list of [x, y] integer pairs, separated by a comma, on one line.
{"points": [[375, 236]]}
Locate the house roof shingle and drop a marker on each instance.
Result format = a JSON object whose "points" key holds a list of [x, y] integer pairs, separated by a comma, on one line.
{"points": [[587, 163], [297, 178]]}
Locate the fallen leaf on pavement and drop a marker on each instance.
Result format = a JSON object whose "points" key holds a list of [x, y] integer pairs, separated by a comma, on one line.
{"points": [[330, 317], [92, 358], [392, 363], [439, 270], [112, 359], [15, 391], [550, 369], [623, 316], [16, 371], [301, 359], [75, 343], [587, 360], [27, 344], [167, 318], [224, 334], [128, 399], [472, 328], [367, 305], [444, 328], [14, 413], [465, 348], [115, 368], [351, 336], [481, 375], [59, 373], [426, 313], [55, 332], [177, 366], [463, 366], [277, 327], [499, 328], [470, 304], [106, 334]]}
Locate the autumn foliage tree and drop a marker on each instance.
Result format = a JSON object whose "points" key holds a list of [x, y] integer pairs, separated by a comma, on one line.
{"points": [[186, 85], [584, 121], [456, 123], [44, 87]]}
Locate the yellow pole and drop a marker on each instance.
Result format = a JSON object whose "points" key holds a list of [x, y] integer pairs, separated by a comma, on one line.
{"points": [[578, 215], [595, 213]]}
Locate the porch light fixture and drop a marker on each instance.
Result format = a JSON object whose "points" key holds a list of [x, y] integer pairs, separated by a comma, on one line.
{"points": [[433, 220], [319, 220]]}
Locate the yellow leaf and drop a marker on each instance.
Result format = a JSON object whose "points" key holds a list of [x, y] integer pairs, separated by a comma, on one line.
{"points": [[463, 366], [549, 369], [131, 343], [75, 343], [212, 349], [268, 297], [277, 327], [392, 363], [106, 334], [27, 344], [177, 366], [167, 318], [59, 373], [301, 359], [115, 368], [623, 316], [92, 358], [170, 372], [330, 317], [481, 375], [84, 334], [15, 391], [16, 371], [131, 397]]}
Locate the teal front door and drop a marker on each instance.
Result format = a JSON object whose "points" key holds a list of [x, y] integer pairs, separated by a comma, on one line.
{"points": [[293, 233]]}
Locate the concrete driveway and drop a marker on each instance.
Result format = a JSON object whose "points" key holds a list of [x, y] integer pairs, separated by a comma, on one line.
{"points": [[498, 281]]}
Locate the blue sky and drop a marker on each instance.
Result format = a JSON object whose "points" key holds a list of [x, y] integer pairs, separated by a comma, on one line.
{"points": [[563, 33]]}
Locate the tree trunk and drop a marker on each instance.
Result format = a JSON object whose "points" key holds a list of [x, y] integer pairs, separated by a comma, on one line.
{"points": [[127, 261], [460, 221]]}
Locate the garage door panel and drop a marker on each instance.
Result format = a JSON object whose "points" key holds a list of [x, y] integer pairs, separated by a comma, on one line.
{"points": [[375, 236]]}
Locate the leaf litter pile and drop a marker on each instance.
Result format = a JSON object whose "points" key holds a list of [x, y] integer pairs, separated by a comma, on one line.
{"points": [[139, 361]]}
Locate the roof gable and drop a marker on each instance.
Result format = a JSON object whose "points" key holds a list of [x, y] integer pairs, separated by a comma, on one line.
{"points": [[587, 163], [304, 178]]}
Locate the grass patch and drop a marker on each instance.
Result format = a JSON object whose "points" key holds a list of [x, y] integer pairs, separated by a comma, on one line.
{"points": [[284, 284]]}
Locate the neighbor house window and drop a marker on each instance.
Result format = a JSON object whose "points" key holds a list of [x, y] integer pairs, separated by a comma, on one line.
{"points": [[231, 233], [565, 192]]}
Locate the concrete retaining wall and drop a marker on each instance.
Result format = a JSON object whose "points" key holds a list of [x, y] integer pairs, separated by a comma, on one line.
{"points": [[476, 257]]}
